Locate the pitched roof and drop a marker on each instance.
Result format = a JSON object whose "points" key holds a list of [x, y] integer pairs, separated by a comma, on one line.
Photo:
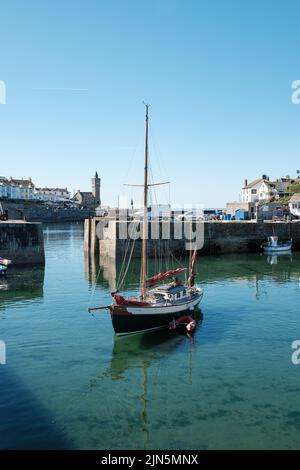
{"points": [[253, 183], [86, 196], [295, 198], [52, 189], [24, 183]]}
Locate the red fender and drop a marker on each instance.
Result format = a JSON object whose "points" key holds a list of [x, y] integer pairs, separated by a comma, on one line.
{"points": [[184, 319], [191, 326], [189, 322]]}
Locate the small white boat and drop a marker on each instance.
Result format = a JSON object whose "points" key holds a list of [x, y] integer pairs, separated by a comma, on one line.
{"points": [[3, 269], [273, 246], [3, 265]]}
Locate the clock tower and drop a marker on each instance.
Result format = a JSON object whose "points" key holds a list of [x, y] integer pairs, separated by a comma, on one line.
{"points": [[96, 183]]}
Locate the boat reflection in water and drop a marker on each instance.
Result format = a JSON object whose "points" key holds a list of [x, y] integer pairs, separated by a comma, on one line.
{"points": [[273, 259], [3, 284], [141, 352], [138, 351]]}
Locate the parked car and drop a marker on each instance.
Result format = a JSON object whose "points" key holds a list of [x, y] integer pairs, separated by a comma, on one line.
{"points": [[155, 212], [191, 215]]}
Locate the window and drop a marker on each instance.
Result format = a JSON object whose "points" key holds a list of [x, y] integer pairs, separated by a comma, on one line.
{"points": [[158, 296], [253, 191]]}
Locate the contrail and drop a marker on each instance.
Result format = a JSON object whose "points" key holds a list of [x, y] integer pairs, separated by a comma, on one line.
{"points": [[61, 89]]}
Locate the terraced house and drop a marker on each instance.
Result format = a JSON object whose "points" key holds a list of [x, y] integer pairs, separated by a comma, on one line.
{"points": [[16, 188]]}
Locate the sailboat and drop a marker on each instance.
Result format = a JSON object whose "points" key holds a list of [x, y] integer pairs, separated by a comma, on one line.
{"points": [[158, 305]]}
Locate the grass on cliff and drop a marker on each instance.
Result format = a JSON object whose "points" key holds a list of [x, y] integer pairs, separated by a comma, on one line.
{"points": [[293, 189]]}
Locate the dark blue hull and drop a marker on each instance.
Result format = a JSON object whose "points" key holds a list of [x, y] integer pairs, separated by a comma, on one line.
{"points": [[127, 323]]}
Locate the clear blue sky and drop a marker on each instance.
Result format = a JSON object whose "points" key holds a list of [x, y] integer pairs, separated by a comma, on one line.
{"points": [[218, 76]]}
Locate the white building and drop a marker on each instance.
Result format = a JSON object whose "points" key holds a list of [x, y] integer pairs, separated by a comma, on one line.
{"points": [[258, 190], [25, 189], [21, 189], [294, 204], [52, 194], [3, 187], [16, 189]]}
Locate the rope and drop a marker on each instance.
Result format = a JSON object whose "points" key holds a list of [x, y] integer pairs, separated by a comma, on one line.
{"points": [[122, 276], [94, 288], [123, 263], [175, 259], [128, 264]]}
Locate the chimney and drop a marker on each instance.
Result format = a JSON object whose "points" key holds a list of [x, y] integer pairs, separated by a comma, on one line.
{"points": [[246, 182]]}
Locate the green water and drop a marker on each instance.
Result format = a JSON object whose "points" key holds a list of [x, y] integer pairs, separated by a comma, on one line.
{"points": [[68, 383]]}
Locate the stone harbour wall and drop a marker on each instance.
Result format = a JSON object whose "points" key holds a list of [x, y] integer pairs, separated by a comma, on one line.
{"points": [[220, 237], [44, 212], [22, 242]]}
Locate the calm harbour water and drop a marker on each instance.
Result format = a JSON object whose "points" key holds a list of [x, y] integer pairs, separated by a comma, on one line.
{"points": [[69, 383]]}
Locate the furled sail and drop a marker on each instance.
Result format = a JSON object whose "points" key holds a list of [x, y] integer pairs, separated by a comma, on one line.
{"points": [[161, 276], [192, 274], [123, 302]]}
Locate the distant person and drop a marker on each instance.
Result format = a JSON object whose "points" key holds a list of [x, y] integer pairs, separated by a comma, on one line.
{"points": [[176, 282], [191, 279]]}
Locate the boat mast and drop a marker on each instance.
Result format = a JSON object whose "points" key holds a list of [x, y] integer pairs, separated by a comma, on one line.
{"points": [[144, 269]]}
